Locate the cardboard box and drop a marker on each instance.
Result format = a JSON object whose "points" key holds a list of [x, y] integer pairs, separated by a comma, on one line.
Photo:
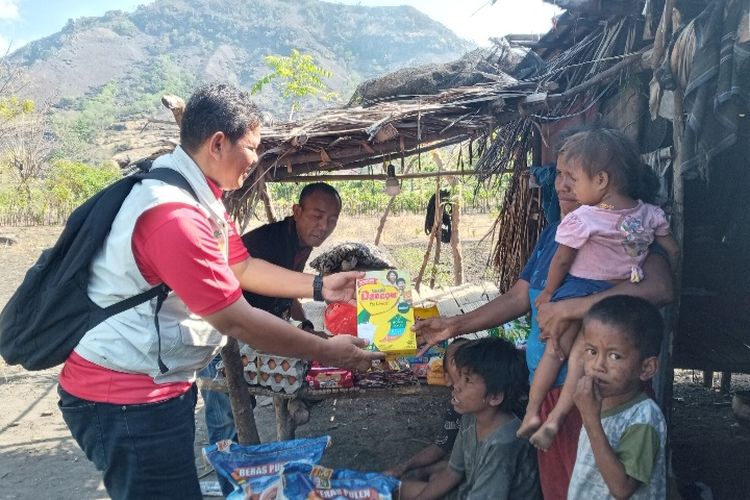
{"points": [[384, 311]]}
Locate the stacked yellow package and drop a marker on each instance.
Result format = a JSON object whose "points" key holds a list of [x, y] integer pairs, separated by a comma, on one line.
{"points": [[384, 311]]}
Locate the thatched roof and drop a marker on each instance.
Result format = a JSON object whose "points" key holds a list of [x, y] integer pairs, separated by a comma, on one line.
{"points": [[352, 137]]}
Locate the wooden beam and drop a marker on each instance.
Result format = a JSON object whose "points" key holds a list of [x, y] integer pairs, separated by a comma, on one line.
{"points": [[279, 172], [275, 164], [373, 177], [306, 160]]}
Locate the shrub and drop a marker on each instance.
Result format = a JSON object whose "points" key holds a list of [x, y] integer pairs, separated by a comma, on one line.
{"points": [[72, 183]]}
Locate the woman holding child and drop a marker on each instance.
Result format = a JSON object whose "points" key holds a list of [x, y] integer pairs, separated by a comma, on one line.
{"points": [[557, 454]]}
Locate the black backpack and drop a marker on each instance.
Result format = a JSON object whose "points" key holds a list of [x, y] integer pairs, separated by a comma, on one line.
{"points": [[51, 311]]}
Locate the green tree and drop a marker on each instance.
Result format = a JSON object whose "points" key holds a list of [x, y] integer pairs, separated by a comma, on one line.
{"points": [[296, 76]]}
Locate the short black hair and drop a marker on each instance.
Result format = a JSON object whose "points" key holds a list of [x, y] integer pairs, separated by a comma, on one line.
{"points": [[499, 364], [635, 317], [601, 149], [456, 344], [323, 188], [217, 107]]}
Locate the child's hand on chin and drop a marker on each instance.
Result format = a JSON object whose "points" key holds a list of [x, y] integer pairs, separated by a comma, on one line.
{"points": [[587, 397]]}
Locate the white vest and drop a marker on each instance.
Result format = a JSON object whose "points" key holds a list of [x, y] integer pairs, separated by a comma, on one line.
{"points": [[127, 342]]}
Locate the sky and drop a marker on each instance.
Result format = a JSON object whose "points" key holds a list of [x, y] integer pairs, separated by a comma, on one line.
{"points": [[22, 21]]}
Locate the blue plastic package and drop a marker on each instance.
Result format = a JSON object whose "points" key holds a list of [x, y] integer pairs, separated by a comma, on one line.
{"points": [[313, 482], [255, 470]]}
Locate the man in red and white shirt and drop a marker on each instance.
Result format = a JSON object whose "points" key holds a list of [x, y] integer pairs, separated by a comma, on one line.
{"points": [[127, 391]]}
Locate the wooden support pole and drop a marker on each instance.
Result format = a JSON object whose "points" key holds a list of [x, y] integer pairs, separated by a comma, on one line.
{"points": [[285, 426], [664, 380], [438, 217], [458, 261], [239, 397], [176, 105], [351, 157], [383, 218], [436, 258], [726, 382], [265, 196], [433, 235]]}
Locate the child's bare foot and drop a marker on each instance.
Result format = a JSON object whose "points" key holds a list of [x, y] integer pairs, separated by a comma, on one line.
{"points": [[531, 422], [542, 438]]}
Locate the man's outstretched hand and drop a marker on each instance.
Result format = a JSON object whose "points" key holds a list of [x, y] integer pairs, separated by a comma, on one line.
{"points": [[432, 331], [345, 351]]}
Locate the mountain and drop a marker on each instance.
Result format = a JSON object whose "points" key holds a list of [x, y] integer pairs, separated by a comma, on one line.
{"points": [[178, 43]]}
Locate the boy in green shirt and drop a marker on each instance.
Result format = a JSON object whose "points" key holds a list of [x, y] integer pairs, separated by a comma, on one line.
{"points": [[621, 447]]}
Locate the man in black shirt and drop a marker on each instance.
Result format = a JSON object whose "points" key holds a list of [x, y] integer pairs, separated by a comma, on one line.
{"points": [[288, 243]]}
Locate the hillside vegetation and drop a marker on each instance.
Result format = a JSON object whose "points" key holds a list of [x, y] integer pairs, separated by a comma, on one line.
{"points": [[178, 43], [92, 87]]}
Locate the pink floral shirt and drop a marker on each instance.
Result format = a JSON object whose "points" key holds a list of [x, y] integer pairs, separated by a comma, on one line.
{"points": [[611, 243]]}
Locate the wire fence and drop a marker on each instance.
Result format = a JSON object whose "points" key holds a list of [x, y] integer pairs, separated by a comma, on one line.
{"points": [[18, 216]]}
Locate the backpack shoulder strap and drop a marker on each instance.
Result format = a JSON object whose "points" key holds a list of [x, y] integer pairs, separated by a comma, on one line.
{"points": [[174, 178], [169, 176]]}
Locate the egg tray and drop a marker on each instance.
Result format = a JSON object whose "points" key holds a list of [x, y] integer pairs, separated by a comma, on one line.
{"points": [[278, 373]]}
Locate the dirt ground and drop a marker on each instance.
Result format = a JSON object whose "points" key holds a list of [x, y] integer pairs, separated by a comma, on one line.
{"points": [[39, 459]]}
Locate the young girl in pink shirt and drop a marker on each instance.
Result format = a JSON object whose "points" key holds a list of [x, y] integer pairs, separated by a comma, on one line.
{"points": [[600, 244]]}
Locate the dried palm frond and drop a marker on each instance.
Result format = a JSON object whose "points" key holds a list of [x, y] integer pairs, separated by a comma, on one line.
{"points": [[520, 221]]}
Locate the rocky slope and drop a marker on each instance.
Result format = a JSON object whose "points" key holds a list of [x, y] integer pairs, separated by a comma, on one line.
{"points": [[206, 40]]}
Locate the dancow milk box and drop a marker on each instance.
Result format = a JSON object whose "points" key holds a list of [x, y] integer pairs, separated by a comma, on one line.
{"points": [[384, 311]]}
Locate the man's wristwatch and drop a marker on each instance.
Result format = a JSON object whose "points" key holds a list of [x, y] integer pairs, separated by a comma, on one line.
{"points": [[318, 288]]}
